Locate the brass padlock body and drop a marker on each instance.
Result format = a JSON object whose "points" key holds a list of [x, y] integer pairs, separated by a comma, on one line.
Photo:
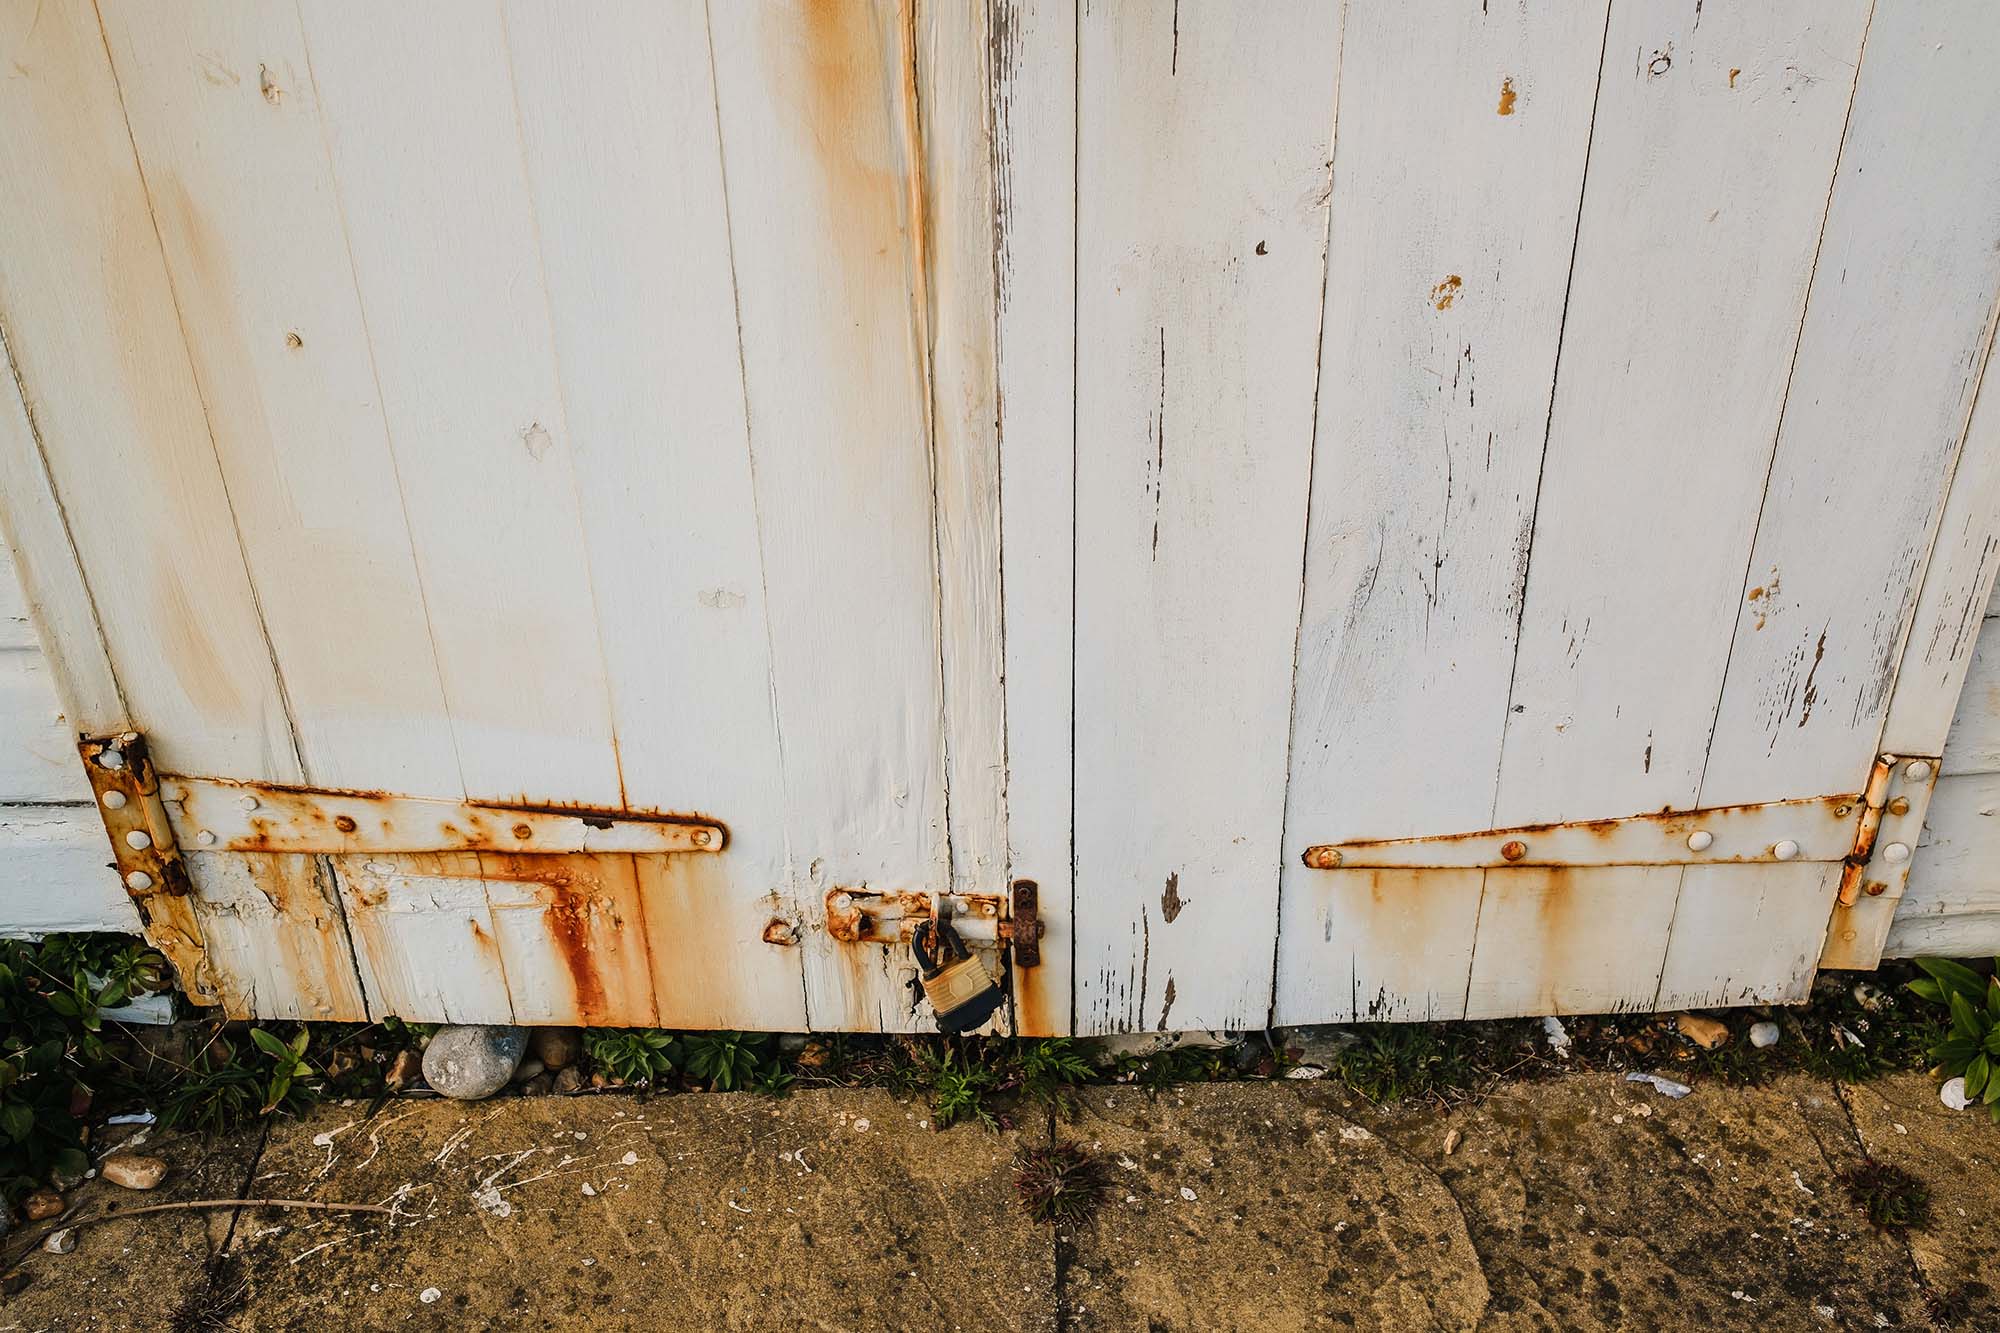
{"points": [[962, 995]]}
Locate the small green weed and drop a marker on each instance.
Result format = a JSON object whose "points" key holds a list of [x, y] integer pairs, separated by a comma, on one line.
{"points": [[1390, 1061], [632, 1055], [1050, 1068], [1971, 1048], [1060, 1183], [1894, 1199], [727, 1061], [958, 1086], [224, 1086]]}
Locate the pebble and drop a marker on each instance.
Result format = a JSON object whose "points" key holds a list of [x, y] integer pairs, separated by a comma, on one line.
{"points": [[527, 1069], [473, 1060], [403, 1070], [42, 1205], [61, 1241], [568, 1079], [1763, 1034], [538, 1086], [133, 1171], [1557, 1034], [429, 1295], [1451, 1141], [1706, 1033], [1952, 1094], [556, 1048]]}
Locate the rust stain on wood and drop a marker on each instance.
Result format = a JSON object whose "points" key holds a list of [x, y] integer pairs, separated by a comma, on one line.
{"points": [[1507, 96], [1447, 291]]}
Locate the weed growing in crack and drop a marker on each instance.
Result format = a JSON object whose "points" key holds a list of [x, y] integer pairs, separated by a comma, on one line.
{"points": [[1894, 1199], [1060, 1183]]}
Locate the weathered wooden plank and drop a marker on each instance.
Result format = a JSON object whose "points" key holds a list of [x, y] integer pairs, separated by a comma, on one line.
{"points": [[276, 935], [95, 348], [424, 938], [1570, 941], [1033, 82], [1203, 138], [1392, 946], [1951, 906], [1454, 212], [1745, 935], [573, 938], [223, 112], [55, 875], [1973, 743], [420, 122], [617, 102], [818, 119], [1689, 282]]}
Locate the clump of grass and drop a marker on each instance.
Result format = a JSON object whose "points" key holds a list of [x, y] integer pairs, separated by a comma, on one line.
{"points": [[1060, 1183], [1894, 1199], [1391, 1061]]}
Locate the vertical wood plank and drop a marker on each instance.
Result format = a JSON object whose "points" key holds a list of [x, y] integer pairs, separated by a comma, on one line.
{"points": [[95, 347], [1582, 941], [277, 937], [1034, 202], [1690, 279], [425, 938], [817, 121], [1895, 334], [231, 143], [617, 103], [1745, 935], [421, 127], [1203, 139], [1453, 216]]}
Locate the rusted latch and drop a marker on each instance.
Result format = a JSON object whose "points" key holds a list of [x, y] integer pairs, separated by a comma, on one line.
{"points": [[1891, 820], [128, 798], [885, 916]]}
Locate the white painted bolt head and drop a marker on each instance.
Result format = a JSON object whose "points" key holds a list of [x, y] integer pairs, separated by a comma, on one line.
{"points": [[247, 802], [112, 759], [113, 800], [1917, 770], [205, 838], [1786, 850], [1700, 840], [138, 879], [138, 840], [1896, 853]]}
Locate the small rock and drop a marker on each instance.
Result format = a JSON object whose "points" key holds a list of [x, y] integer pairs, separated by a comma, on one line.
{"points": [[538, 1086], [1558, 1035], [526, 1070], [1706, 1033], [791, 1043], [403, 1070], [1305, 1071], [600, 1079], [1952, 1094], [473, 1060], [133, 1171], [1316, 1044], [815, 1055], [568, 1079], [1452, 1139], [61, 1241], [556, 1048], [1763, 1034], [42, 1205]]}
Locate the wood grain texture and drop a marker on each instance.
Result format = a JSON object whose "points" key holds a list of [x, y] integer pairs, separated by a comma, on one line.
{"points": [[132, 468], [54, 873], [1203, 138], [1690, 281], [1033, 81], [1570, 941], [1453, 215], [37, 748], [617, 102], [1951, 906], [818, 119], [1973, 744]]}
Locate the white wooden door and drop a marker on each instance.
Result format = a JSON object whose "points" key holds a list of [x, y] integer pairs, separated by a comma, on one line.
{"points": [[1114, 446]]}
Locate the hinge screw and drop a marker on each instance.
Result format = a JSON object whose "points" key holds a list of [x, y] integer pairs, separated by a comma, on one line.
{"points": [[114, 800], [1896, 853], [138, 840], [247, 802], [205, 838], [138, 879], [1323, 858], [1876, 888], [1514, 851], [1700, 840], [113, 759], [1900, 806], [702, 837], [1786, 850], [1917, 771]]}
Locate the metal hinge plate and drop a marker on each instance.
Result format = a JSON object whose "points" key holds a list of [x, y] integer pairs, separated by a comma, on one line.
{"points": [[1871, 832], [885, 916]]}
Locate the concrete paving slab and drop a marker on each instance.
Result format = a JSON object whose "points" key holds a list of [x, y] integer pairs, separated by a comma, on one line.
{"points": [[824, 1210], [1956, 1153], [142, 1272]]}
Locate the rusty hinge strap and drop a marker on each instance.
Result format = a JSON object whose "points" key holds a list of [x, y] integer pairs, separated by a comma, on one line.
{"points": [[1892, 819], [211, 814], [886, 916]]}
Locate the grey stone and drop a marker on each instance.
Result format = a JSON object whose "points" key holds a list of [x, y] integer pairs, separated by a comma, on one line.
{"points": [[61, 1241], [1763, 1034], [527, 1069], [474, 1060]]}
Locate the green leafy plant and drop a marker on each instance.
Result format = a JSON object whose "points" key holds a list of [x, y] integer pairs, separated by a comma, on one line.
{"points": [[1049, 1068], [225, 1086], [632, 1055], [726, 1061], [1894, 1199], [288, 1065], [958, 1087], [1971, 1047], [1060, 1183]]}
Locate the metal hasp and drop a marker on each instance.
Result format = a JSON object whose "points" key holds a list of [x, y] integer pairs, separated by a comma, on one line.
{"points": [[1871, 833], [881, 916]]}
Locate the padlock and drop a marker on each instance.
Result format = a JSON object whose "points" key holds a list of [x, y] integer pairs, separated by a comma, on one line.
{"points": [[961, 994]]}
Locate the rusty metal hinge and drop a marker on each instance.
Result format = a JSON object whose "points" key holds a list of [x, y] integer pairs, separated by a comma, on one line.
{"points": [[1844, 828], [886, 916]]}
